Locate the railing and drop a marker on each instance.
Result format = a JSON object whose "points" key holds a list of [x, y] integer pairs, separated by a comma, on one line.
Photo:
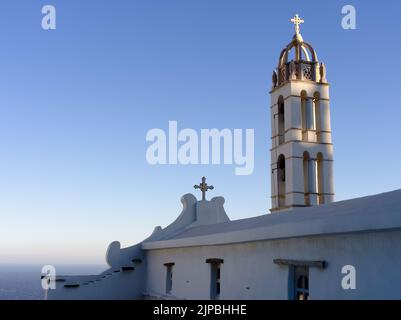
{"points": [[297, 70]]}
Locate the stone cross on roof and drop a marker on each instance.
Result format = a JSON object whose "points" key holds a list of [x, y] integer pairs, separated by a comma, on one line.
{"points": [[203, 187], [297, 21]]}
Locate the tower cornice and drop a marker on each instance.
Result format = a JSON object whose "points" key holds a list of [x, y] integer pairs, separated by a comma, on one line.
{"points": [[325, 84]]}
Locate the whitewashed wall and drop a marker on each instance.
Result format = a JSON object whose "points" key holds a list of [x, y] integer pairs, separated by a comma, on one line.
{"points": [[248, 271]]}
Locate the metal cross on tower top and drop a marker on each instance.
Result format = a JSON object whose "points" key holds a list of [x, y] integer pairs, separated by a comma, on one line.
{"points": [[203, 187], [297, 21]]}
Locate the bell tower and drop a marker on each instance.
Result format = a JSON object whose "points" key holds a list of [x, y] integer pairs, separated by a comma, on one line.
{"points": [[302, 149]]}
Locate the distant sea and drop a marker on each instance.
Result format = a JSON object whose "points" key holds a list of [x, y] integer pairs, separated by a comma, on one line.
{"points": [[22, 282]]}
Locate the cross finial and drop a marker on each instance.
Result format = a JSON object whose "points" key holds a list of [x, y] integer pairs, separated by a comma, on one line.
{"points": [[203, 187], [297, 21]]}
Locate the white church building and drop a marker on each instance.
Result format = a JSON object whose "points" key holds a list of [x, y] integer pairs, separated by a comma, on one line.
{"points": [[308, 247]]}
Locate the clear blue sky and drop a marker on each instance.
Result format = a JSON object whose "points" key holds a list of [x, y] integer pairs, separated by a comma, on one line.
{"points": [[76, 103]]}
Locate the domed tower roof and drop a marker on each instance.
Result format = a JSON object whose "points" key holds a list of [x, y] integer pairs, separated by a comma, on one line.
{"points": [[303, 50], [298, 60]]}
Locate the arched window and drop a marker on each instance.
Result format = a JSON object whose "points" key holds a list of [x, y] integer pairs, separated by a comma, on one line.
{"points": [[317, 117], [304, 111], [306, 159], [319, 179], [281, 180], [281, 123]]}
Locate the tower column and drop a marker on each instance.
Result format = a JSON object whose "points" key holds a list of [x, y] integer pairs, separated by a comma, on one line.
{"points": [[274, 186], [293, 118], [310, 120], [328, 182], [274, 126], [312, 182], [294, 183], [325, 127]]}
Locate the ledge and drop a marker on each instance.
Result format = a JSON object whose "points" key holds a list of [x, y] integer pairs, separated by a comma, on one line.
{"points": [[127, 269], [169, 264], [301, 263], [214, 260]]}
